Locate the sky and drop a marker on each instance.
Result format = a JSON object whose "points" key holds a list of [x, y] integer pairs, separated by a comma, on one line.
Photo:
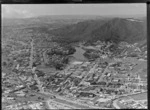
{"points": [[33, 10]]}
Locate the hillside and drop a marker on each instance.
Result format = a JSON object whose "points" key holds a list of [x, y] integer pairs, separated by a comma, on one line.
{"points": [[117, 29], [69, 30], [50, 19]]}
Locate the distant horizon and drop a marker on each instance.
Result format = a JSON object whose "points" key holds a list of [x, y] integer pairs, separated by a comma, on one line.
{"points": [[36, 10], [111, 16]]}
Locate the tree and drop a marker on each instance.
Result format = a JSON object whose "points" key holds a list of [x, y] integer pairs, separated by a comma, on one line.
{"points": [[59, 66], [133, 55], [4, 64]]}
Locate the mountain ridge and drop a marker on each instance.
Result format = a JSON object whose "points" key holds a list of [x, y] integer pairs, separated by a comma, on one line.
{"points": [[116, 29]]}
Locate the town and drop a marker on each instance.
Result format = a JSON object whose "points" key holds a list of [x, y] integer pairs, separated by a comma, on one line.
{"points": [[100, 82], [74, 56]]}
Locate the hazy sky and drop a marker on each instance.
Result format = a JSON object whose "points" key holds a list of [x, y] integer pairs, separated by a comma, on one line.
{"points": [[30, 10]]}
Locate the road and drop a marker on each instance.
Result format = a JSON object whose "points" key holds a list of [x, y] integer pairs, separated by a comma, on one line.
{"points": [[79, 67], [115, 104], [90, 71], [58, 99], [105, 70], [77, 103], [74, 104], [61, 100], [116, 100]]}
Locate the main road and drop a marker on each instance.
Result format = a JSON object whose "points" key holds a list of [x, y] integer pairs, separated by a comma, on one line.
{"points": [[58, 99], [116, 100]]}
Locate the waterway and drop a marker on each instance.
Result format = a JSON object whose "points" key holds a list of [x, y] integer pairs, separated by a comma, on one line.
{"points": [[78, 55]]}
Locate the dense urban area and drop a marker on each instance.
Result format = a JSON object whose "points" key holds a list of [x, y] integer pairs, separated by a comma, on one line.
{"points": [[42, 73]]}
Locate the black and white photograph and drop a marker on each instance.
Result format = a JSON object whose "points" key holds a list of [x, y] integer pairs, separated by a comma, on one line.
{"points": [[74, 56]]}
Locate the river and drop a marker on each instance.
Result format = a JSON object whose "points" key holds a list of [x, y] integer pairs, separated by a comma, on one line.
{"points": [[79, 54]]}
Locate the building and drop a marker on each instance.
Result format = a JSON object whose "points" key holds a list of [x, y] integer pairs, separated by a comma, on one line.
{"points": [[85, 83], [77, 62]]}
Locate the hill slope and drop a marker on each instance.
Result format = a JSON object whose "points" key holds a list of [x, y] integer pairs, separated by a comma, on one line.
{"points": [[117, 29]]}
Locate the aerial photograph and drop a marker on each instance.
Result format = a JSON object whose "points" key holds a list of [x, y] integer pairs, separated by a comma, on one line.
{"points": [[74, 56]]}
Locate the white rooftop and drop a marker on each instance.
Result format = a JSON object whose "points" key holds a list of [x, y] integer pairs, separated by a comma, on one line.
{"points": [[77, 62], [103, 99]]}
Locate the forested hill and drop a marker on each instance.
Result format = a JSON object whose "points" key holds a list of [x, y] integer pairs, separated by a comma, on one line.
{"points": [[63, 29], [116, 29]]}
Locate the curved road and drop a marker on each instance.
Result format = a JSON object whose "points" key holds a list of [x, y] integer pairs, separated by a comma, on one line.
{"points": [[116, 100], [115, 104]]}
